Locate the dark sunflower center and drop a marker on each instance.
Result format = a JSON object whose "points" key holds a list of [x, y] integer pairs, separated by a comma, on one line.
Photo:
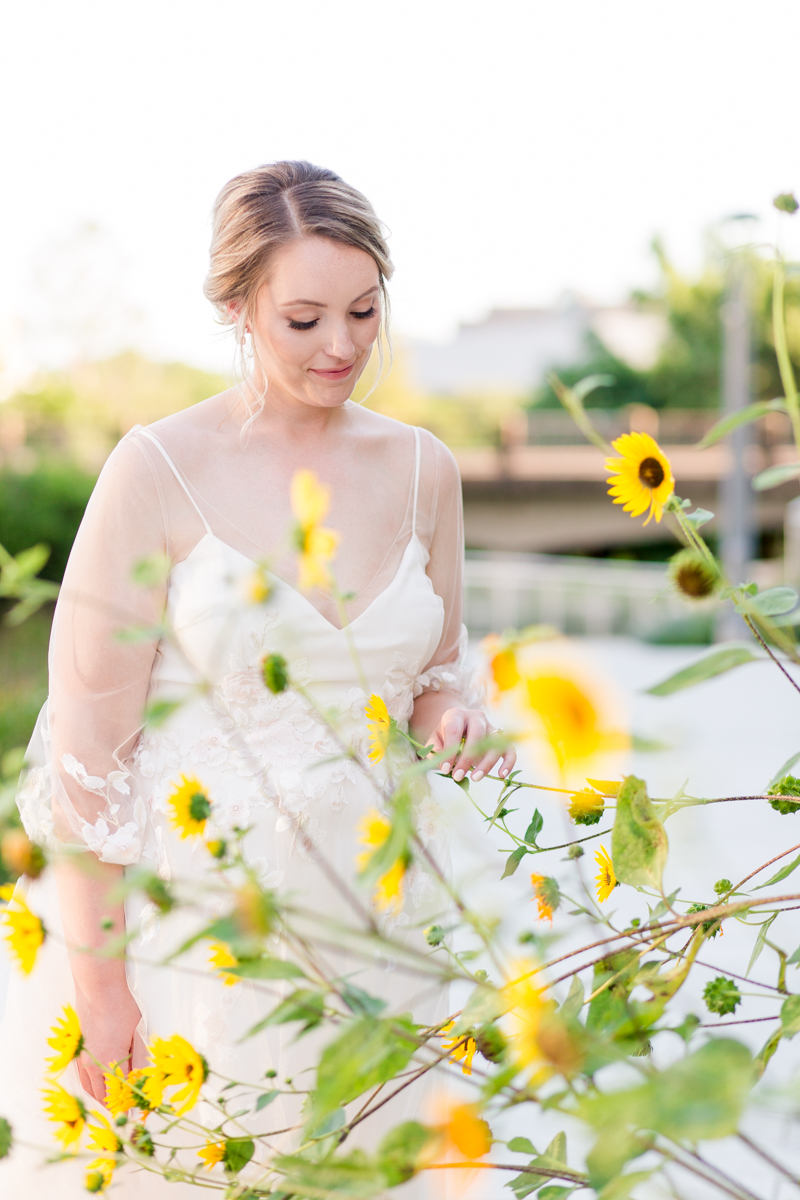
{"points": [[651, 472]]}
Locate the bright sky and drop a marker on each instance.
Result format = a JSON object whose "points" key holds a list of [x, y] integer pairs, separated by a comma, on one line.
{"points": [[515, 149]]}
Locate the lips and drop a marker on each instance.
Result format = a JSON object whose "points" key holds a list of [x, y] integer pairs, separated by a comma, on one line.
{"points": [[332, 374]]}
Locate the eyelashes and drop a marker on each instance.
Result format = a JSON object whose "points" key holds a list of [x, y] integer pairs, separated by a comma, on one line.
{"points": [[360, 316]]}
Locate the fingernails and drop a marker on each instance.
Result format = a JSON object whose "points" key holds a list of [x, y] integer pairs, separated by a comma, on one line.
{"points": [[445, 768], [476, 775], [503, 772], [458, 775]]}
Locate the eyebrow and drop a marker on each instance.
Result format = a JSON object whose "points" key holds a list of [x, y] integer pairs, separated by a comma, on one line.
{"points": [[319, 304]]}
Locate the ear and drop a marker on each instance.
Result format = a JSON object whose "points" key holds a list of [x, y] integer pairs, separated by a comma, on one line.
{"points": [[234, 310]]}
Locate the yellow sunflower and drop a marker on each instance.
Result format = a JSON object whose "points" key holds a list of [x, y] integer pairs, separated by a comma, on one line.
{"points": [[190, 807], [316, 546], [103, 1136], [465, 1132], [586, 808], [99, 1174], [374, 828], [25, 931], [569, 719], [212, 1153], [379, 725], [542, 895], [119, 1092], [67, 1041], [175, 1064], [643, 476], [605, 878], [220, 956], [66, 1111], [463, 1049]]}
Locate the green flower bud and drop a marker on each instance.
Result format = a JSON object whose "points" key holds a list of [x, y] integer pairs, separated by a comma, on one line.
{"points": [[490, 1042], [434, 935], [722, 886], [788, 786], [710, 928], [276, 674], [199, 808], [692, 575], [481, 976], [575, 851], [721, 996], [786, 202]]}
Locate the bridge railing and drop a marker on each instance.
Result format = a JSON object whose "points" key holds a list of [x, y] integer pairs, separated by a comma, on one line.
{"points": [[580, 596]]}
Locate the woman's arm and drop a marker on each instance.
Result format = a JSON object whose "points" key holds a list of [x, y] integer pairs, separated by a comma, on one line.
{"points": [[443, 716], [92, 921]]}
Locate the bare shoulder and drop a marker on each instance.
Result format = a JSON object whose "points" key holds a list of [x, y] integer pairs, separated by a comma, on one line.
{"points": [[206, 417], [388, 433]]}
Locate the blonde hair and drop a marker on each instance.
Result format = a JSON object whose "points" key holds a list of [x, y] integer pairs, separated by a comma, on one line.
{"points": [[261, 210]]}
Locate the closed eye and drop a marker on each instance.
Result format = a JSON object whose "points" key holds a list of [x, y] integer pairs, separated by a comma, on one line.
{"points": [[363, 316], [303, 324]]}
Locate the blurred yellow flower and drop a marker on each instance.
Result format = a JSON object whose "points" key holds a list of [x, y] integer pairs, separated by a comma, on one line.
{"points": [[643, 476], [67, 1041], [66, 1111], [175, 1064], [316, 546], [605, 878], [466, 1132], [25, 932], [540, 895], [374, 828], [379, 726], [103, 1136], [220, 956], [190, 807], [502, 664], [526, 1008], [463, 1049], [212, 1153], [99, 1174], [119, 1092], [567, 717], [257, 586]]}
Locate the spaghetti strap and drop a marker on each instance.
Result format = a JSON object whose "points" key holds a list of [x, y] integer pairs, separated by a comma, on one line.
{"points": [[416, 481], [175, 472]]}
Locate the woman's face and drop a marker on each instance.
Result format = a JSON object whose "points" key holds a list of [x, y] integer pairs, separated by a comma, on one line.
{"points": [[316, 320]]}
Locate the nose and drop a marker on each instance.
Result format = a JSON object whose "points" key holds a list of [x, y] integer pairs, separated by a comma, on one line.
{"points": [[341, 343]]}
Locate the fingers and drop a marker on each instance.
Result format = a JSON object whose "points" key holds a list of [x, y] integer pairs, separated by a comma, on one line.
{"points": [[477, 728], [452, 729]]}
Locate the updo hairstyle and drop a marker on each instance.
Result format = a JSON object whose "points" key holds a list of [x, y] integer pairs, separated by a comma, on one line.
{"points": [[261, 210]]}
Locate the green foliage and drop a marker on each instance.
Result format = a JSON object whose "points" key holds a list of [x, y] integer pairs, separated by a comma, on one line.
{"points": [[705, 668], [721, 996], [353, 1175], [400, 1151], [789, 785], [238, 1152], [6, 1137], [710, 928], [276, 673], [44, 507], [638, 840], [366, 1053]]}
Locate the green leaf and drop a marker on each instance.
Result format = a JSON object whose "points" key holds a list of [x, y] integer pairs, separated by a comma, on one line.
{"points": [[302, 1005], [159, 711], [555, 1192], [621, 1187], [609, 1011], [775, 476], [6, 1137], [238, 1152], [761, 1060], [759, 944], [744, 416], [557, 1150], [790, 1016], [522, 1145], [266, 1098], [786, 202], [400, 1149], [267, 967], [361, 1002], [705, 668], [485, 1004], [367, 1052], [700, 517], [776, 601], [573, 1004], [513, 861], [535, 827], [787, 766], [573, 397], [782, 874], [353, 1177], [638, 840]]}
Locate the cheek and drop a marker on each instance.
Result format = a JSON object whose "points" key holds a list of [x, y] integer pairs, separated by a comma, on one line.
{"points": [[367, 332], [289, 348]]}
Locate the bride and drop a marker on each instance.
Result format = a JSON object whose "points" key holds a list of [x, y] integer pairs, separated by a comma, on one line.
{"points": [[188, 517]]}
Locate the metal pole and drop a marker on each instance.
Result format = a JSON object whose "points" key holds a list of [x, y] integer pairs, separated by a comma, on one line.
{"points": [[737, 516]]}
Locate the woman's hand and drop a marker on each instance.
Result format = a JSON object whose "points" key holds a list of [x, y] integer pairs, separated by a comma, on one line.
{"points": [[471, 726], [108, 1030]]}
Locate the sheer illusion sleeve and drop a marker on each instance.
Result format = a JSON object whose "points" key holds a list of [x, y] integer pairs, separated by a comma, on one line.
{"points": [[78, 789], [442, 531]]}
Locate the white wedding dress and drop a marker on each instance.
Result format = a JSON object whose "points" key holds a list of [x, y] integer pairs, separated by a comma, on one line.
{"points": [[189, 489]]}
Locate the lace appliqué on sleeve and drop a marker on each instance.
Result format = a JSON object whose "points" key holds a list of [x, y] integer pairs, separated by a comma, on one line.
{"points": [[454, 676]]}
